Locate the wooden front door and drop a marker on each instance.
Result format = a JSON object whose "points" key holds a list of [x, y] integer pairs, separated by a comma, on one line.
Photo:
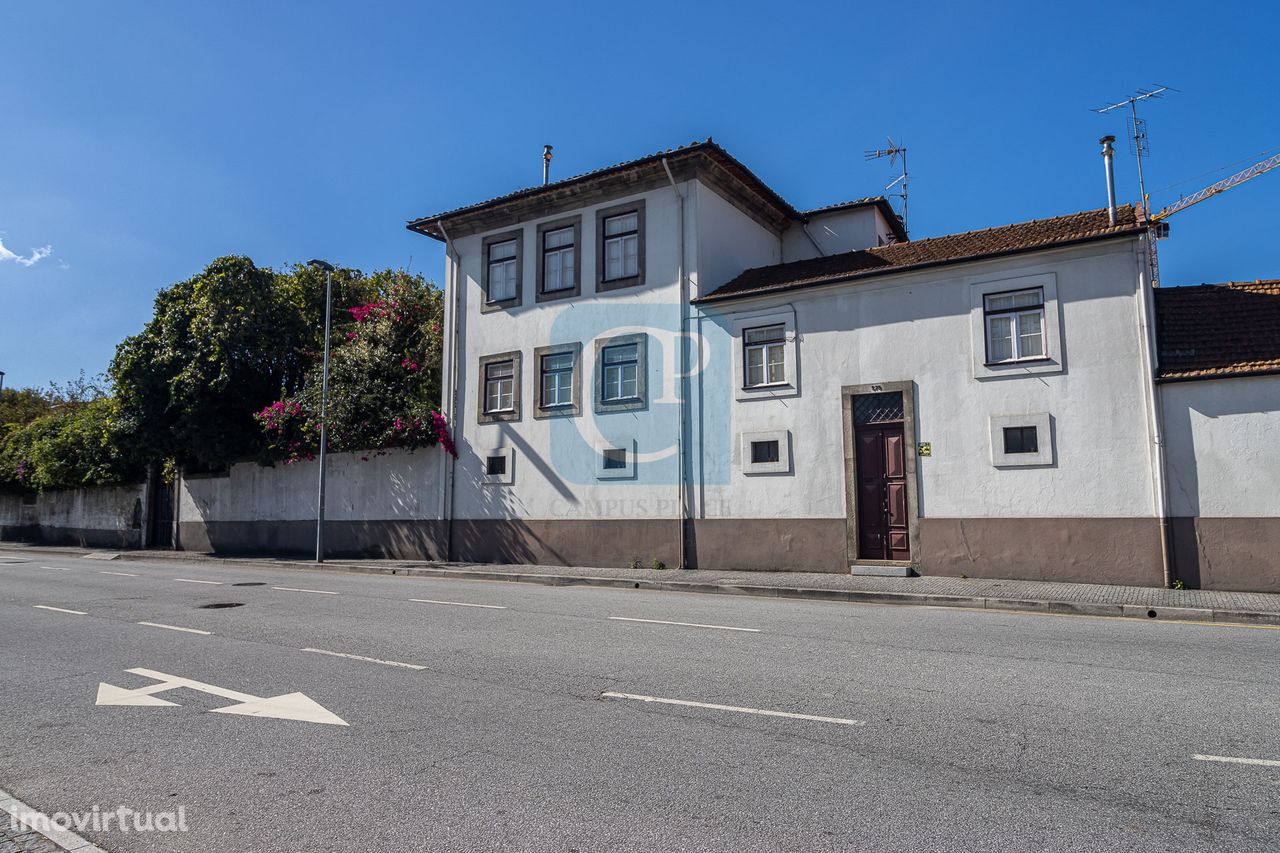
{"points": [[882, 492]]}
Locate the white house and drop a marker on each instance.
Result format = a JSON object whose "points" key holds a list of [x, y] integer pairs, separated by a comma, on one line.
{"points": [[664, 360]]}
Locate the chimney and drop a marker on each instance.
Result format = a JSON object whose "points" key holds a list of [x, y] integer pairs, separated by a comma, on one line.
{"points": [[546, 164], [1108, 157]]}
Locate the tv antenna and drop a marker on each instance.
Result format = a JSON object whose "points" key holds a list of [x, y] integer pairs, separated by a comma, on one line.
{"points": [[1138, 144], [893, 152]]}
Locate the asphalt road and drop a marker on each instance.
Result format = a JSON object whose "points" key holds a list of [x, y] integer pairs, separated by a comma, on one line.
{"points": [[939, 729]]}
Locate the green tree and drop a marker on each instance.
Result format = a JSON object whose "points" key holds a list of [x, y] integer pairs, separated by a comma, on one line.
{"points": [[220, 346], [76, 445], [384, 378], [19, 407]]}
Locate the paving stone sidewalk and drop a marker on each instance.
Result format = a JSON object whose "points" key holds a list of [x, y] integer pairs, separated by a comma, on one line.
{"points": [[18, 837], [1006, 594]]}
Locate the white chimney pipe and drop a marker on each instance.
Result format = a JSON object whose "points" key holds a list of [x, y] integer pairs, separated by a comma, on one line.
{"points": [[546, 164], [1108, 158]]}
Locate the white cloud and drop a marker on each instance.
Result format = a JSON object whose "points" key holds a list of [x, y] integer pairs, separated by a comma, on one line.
{"points": [[36, 255]]}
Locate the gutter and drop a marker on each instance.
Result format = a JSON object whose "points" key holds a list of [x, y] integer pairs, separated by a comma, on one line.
{"points": [[681, 403], [450, 389]]}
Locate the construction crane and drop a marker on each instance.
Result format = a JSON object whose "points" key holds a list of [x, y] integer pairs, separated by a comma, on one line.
{"points": [[1221, 186]]}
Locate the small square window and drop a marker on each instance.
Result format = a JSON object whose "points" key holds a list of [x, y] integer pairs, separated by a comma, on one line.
{"points": [[616, 460], [497, 468], [764, 451], [767, 452], [1021, 439]]}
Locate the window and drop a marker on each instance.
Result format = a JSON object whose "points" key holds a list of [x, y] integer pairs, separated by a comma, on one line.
{"points": [[764, 451], [557, 380], [1015, 325], [766, 364], [497, 469], [558, 253], [767, 452], [502, 271], [499, 387], [764, 352], [615, 458], [622, 246], [1020, 439], [621, 373]]}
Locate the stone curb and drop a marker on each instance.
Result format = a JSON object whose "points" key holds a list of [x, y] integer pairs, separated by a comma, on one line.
{"points": [[65, 839], [1017, 605]]}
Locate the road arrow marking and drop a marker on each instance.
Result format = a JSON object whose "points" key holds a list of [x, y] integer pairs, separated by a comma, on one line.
{"points": [[289, 706]]}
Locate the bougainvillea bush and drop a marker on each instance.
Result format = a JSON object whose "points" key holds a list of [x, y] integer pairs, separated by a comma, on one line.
{"points": [[384, 379]]}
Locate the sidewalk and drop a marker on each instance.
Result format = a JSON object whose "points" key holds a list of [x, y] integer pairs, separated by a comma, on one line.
{"points": [[17, 836], [1034, 596]]}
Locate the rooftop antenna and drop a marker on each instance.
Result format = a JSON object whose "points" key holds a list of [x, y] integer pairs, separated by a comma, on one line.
{"points": [[893, 152], [1138, 145]]}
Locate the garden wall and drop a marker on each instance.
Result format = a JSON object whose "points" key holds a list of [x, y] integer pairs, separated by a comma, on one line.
{"points": [[375, 506], [109, 517]]}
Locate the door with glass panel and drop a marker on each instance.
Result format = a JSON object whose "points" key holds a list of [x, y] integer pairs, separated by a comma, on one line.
{"points": [[881, 466]]}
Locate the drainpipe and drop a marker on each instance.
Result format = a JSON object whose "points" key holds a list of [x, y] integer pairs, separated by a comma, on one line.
{"points": [[451, 385], [804, 226], [682, 493], [1155, 415]]}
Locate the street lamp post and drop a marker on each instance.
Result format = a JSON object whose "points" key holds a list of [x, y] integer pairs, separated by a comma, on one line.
{"points": [[1, 380], [324, 402]]}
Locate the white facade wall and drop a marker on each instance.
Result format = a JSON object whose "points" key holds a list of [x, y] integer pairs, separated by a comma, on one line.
{"points": [[729, 242], [918, 327], [1220, 446]]}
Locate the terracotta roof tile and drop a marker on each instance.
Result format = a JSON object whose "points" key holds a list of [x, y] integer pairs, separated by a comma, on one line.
{"points": [[969, 245], [1212, 330]]}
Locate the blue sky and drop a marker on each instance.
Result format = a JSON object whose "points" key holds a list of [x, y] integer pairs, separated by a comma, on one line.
{"points": [[139, 140]]}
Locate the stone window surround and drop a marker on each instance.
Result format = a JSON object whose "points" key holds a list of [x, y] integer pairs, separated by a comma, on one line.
{"points": [[1042, 458], [1054, 360], [568, 293], [603, 406], [504, 479], [782, 466], [575, 408], [627, 473], [782, 315], [487, 307], [516, 396], [636, 207]]}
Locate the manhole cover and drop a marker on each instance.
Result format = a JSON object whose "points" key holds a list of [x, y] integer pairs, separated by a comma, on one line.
{"points": [[220, 605], [250, 583]]}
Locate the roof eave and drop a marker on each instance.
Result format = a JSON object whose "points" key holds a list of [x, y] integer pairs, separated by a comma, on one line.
{"points": [[890, 270]]}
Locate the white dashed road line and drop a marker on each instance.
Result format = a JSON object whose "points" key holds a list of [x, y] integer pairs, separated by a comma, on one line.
{"points": [[684, 624], [758, 711], [295, 589], [120, 574], [56, 568], [365, 659], [188, 580], [1227, 759], [458, 603], [175, 628], [59, 609]]}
